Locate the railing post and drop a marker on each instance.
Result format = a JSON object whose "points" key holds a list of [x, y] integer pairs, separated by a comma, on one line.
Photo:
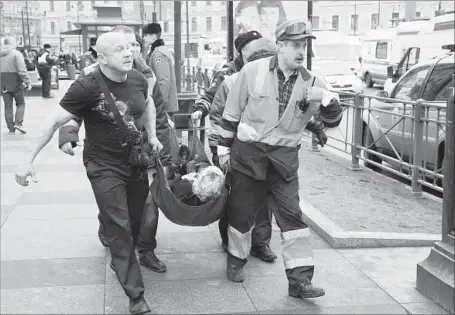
{"points": [[417, 158], [359, 101]]}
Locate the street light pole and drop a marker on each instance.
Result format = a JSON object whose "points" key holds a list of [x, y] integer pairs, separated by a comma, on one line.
{"points": [[187, 50], [379, 14], [28, 26]]}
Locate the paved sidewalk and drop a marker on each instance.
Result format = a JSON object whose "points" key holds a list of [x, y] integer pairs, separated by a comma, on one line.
{"points": [[52, 261]]}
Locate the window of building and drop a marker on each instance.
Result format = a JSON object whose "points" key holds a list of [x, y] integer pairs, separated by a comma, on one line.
{"points": [[208, 2], [395, 19], [193, 3], [315, 22], [92, 5], [69, 26], [335, 22], [119, 2], [223, 23], [208, 24], [193, 25], [418, 14], [223, 3], [354, 22], [381, 50], [68, 5], [53, 28], [51, 6], [166, 26], [374, 21]]}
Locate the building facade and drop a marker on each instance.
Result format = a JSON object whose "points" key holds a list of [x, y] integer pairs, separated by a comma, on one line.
{"points": [[21, 20]]}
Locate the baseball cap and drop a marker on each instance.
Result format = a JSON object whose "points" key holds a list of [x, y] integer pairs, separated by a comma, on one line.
{"points": [[294, 30], [245, 38]]}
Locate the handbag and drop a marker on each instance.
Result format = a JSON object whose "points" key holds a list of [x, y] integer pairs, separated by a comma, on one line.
{"points": [[140, 155]]}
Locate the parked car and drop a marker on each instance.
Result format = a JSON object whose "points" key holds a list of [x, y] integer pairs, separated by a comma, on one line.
{"points": [[338, 76], [429, 81]]}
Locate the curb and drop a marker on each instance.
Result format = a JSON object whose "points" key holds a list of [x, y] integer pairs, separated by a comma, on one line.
{"points": [[340, 238]]}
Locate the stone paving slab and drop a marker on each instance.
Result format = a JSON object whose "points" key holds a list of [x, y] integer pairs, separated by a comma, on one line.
{"points": [[202, 296], [351, 309], [52, 272], [78, 299], [424, 308]]}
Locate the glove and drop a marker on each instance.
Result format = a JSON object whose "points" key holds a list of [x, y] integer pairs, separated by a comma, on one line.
{"points": [[225, 162], [322, 138]]}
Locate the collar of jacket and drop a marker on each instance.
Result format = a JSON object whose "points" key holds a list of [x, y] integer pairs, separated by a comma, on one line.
{"points": [[303, 71], [94, 53], [157, 43]]}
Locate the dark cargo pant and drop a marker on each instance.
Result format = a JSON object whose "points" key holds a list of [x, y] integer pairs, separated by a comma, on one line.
{"points": [[120, 194], [244, 203], [46, 77]]}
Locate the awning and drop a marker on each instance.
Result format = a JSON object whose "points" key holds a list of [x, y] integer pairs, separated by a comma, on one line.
{"points": [[77, 31]]}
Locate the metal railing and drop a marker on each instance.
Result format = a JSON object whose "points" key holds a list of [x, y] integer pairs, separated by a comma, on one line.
{"points": [[198, 79], [401, 137]]}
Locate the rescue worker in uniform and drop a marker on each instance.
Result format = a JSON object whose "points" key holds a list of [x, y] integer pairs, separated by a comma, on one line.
{"points": [[161, 61], [68, 138], [120, 189], [260, 135], [262, 232]]}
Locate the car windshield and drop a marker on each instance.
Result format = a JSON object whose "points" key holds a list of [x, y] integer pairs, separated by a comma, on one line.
{"points": [[332, 68]]}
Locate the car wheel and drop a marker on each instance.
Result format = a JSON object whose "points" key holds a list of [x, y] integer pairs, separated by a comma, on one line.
{"points": [[367, 140], [369, 80]]}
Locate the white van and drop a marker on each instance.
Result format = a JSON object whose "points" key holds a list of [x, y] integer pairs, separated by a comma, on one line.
{"points": [[383, 48], [435, 38]]}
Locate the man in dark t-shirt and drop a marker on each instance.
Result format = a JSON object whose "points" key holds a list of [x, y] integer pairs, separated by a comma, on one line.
{"points": [[120, 189]]}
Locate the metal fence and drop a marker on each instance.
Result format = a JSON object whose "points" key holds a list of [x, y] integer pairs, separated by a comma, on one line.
{"points": [[401, 137], [197, 79]]}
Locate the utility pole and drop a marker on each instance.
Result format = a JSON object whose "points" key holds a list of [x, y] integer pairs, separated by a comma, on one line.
{"points": [[230, 32], [187, 50], [309, 51], [355, 16], [379, 14], [28, 27], [23, 27]]}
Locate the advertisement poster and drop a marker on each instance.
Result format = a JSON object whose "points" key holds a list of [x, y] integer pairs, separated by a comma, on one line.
{"points": [[264, 16]]}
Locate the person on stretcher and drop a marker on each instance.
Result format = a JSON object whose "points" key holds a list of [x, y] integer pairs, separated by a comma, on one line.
{"points": [[194, 183]]}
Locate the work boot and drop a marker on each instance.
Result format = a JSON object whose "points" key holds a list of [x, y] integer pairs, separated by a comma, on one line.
{"points": [[305, 291], [149, 260], [20, 128], [264, 253], [12, 132], [139, 306], [234, 269]]}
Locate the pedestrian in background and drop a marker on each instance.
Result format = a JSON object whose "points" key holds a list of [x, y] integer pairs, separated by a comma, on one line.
{"points": [[162, 64], [14, 79], [45, 64]]}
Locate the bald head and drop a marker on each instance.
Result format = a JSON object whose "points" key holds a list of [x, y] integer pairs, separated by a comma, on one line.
{"points": [[108, 42]]}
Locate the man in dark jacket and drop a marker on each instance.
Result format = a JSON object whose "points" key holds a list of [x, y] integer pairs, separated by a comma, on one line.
{"points": [[68, 138], [14, 78], [45, 63]]}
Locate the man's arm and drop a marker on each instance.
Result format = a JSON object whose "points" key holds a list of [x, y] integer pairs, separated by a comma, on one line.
{"points": [[163, 75], [235, 104], [217, 110], [330, 110], [22, 68], [204, 102], [61, 117], [150, 119]]}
